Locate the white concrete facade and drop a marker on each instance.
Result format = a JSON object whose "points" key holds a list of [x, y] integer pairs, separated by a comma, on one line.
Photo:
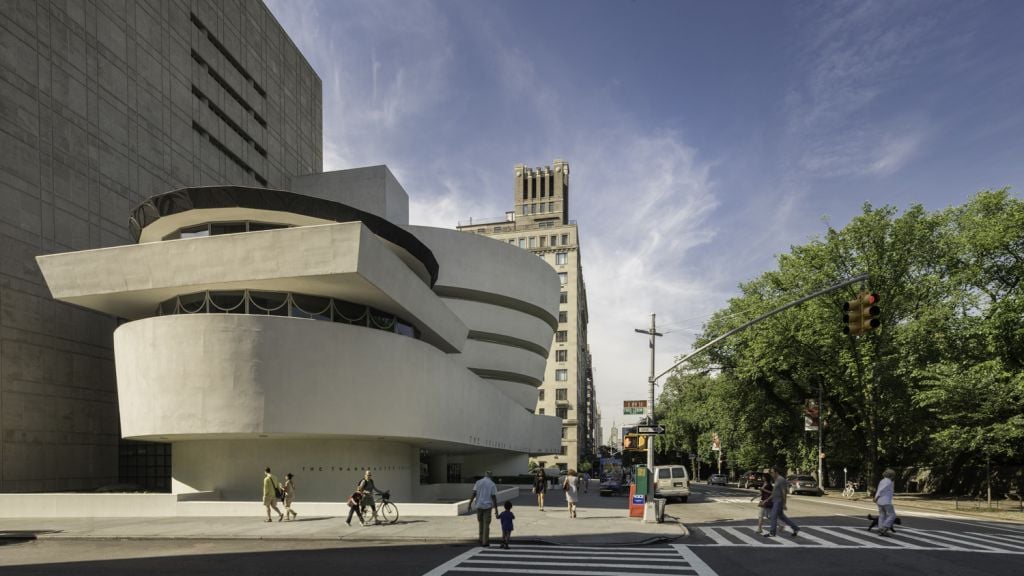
{"points": [[235, 392]]}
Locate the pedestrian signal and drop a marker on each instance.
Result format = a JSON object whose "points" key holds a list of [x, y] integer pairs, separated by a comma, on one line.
{"points": [[860, 315]]}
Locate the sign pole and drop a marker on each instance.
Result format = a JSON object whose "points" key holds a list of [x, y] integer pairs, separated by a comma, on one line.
{"points": [[650, 402]]}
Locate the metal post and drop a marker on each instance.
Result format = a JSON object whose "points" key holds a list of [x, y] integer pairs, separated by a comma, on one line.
{"points": [[821, 425], [988, 480], [650, 404], [653, 333]]}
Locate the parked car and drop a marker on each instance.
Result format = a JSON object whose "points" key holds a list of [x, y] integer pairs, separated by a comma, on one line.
{"points": [[671, 482], [613, 487], [720, 479], [753, 479], [803, 484]]}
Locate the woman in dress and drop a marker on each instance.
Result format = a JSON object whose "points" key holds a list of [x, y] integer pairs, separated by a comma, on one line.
{"points": [[540, 484], [571, 487]]}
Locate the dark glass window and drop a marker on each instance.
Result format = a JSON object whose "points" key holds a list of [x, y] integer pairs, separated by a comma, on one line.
{"points": [[227, 302], [563, 316], [258, 226], [227, 228], [406, 329], [268, 303], [563, 298], [192, 303], [313, 307], [194, 231]]}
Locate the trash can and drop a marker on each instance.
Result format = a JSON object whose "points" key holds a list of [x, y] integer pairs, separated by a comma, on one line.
{"points": [[659, 510]]}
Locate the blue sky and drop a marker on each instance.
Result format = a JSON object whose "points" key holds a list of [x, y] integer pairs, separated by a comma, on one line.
{"points": [[705, 138]]}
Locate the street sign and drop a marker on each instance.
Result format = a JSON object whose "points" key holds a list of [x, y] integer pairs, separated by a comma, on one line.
{"points": [[650, 430], [634, 407]]}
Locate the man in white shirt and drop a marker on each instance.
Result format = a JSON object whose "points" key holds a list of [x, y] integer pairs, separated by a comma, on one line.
{"points": [[485, 494], [883, 497]]}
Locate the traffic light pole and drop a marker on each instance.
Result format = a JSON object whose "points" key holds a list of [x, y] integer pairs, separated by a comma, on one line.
{"points": [[762, 317]]}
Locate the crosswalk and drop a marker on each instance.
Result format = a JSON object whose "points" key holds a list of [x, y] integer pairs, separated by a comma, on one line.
{"points": [[858, 537], [572, 560]]}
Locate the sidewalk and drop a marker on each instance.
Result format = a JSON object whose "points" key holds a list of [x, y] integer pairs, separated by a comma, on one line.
{"points": [[1008, 510], [600, 521]]}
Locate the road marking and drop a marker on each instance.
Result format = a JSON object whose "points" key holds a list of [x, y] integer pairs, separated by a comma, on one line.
{"points": [[860, 543], [849, 537], [954, 537], [894, 542], [568, 560], [743, 537], [732, 500], [696, 564], [1011, 539], [451, 564]]}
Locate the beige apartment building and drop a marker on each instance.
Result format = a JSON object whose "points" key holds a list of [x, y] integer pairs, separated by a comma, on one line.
{"points": [[540, 223]]}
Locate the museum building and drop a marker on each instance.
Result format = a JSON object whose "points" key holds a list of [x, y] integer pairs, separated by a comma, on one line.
{"points": [[315, 331]]}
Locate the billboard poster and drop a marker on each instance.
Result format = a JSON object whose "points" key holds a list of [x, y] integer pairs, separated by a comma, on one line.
{"points": [[811, 415]]}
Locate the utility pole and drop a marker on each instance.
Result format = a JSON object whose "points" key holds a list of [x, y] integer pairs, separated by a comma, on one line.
{"points": [[652, 332]]}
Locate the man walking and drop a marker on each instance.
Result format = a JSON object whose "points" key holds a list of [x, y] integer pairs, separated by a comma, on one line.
{"points": [[485, 494], [779, 493], [270, 491], [883, 497]]}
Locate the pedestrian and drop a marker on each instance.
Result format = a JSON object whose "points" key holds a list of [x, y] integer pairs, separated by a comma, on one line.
{"points": [[506, 518], [271, 493], [764, 505], [355, 507], [289, 495], [779, 503], [485, 493], [540, 485], [883, 498], [586, 482], [571, 492], [367, 489]]}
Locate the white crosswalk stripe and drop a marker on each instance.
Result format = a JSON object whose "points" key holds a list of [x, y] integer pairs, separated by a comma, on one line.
{"points": [[852, 537], [728, 500], [566, 560]]}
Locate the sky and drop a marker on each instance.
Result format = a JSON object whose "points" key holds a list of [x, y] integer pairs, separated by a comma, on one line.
{"points": [[704, 138]]}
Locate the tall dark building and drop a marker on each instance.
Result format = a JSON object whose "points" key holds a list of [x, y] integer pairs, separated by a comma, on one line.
{"points": [[104, 104]]}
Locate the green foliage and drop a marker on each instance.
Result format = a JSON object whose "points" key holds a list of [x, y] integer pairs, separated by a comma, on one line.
{"points": [[940, 383]]}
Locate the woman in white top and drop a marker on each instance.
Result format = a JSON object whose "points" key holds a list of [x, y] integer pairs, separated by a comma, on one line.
{"points": [[571, 485]]}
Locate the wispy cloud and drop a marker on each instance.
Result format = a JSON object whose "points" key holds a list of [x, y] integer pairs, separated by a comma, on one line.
{"points": [[644, 203], [853, 55]]}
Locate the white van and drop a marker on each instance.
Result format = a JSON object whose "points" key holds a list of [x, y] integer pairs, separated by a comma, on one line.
{"points": [[671, 482]]}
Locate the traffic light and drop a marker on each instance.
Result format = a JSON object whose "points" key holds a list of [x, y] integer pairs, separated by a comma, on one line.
{"points": [[861, 314], [634, 442]]}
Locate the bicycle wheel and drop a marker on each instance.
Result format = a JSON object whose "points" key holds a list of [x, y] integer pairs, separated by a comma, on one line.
{"points": [[389, 512]]}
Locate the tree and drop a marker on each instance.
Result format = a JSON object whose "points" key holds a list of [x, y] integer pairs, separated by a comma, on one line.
{"points": [[940, 382]]}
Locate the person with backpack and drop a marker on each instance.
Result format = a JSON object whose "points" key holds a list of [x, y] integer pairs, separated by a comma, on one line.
{"points": [[271, 494]]}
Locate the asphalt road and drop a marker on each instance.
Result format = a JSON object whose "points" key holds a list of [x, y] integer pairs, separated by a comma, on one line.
{"points": [[833, 540]]}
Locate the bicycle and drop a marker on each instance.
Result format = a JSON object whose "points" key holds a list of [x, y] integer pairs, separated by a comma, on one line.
{"points": [[849, 491], [385, 508]]}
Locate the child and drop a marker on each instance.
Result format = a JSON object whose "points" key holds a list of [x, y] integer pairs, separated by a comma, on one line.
{"points": [[506, 518], [765, 505], [354, 507]]}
